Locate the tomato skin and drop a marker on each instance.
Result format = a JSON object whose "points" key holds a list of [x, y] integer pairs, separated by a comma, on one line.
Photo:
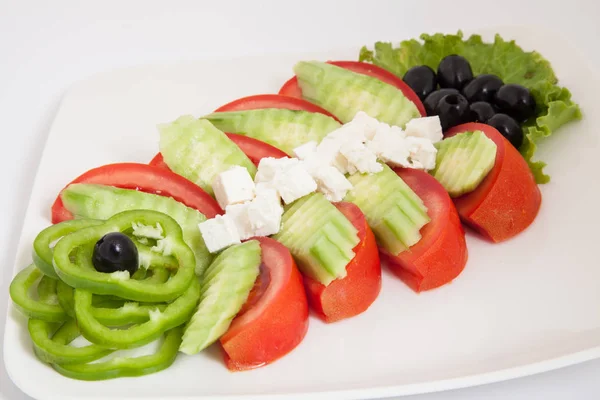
{"points": [[145, 178], [353, 294], [292, 89], [508, 200], [277, 321], [261, 101], [254, 149], [441, 254]]}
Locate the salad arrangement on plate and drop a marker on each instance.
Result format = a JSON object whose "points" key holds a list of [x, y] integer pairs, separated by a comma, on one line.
{"points": [[275, 204]]}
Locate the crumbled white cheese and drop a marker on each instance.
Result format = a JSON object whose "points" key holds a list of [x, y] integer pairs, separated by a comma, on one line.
{"points": [[239, 215], [219, 232], [426, 127], [264, 213], [422, 153], [332, 183], [305, 150], [233, 186], [361, 158]]}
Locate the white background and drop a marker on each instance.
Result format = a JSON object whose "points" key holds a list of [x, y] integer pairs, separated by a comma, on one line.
{"points": [[45, 46]]}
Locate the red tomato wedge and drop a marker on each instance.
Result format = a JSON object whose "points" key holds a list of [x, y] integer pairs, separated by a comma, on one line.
{"points": [[441, 254], [292, 89], [507, 201], [274, 319], [260, 101], [353, 294], [144, 178], [253, 148]]}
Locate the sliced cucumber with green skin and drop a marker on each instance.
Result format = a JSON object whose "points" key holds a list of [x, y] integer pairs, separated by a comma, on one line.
{"points": [[225, 289], [281, 128], [463, 161], [344, 93], [102, 202], [319, 236], [394, 212], [197, 150]]}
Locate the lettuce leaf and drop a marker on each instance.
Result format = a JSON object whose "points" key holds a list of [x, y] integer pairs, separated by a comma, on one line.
{"points": [[503, 58]]}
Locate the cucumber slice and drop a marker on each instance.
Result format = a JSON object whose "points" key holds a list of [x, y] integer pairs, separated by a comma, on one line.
{"points": [[281, 128], [319, 236], [102, 202], [463, 161], [344, 93], [198, 151], [225, 289], [394, 212]]}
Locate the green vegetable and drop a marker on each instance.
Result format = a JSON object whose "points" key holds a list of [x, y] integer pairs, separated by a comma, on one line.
{"points": [[173, 315], [54, 348], [463, 161], [42, 250], [225, 288], [39, 309], [503, 58], [81, 273], [119, 367]]}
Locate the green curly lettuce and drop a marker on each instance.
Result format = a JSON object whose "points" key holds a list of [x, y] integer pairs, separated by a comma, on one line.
{"points": [[503, 58]]}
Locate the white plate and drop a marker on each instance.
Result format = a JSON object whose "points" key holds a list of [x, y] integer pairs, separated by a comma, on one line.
{"points": [[525, 306]]}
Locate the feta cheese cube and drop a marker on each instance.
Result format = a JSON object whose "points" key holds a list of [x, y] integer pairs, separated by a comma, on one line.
{"points": [[328, 153], [332, 183], [238, 213], [422, 153], [264, 213], [426, 127], [286, 175], [368, 124], [219, 232], [304, 151], [269, 168], [233, 186], [296, 182], [390, 147], [361, 158]]}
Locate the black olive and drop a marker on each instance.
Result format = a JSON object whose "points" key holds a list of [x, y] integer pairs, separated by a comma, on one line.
{"points": [[481, 111], [453, 110], [508, 127], [433, 99], [454, 72], [422, 80], [482, 88], [115, 251], [516, 101]]}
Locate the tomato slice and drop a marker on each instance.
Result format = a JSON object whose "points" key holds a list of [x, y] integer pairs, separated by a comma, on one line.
{"points": [[253, 148], [145, 178], [508, 200], [260, 101], [353, 294], [441, 254], [275, 318], [292, 89]]}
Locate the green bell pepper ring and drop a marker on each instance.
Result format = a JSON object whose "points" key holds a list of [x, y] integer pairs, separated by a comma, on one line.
{"points": [[107, 310], [86, 277], [54, 348], [38, 309], [127, 367], [42, 252], [46, 290], [176, 313]]}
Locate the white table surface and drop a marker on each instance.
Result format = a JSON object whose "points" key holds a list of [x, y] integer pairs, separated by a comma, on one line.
{"points": [[45, 46]]}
